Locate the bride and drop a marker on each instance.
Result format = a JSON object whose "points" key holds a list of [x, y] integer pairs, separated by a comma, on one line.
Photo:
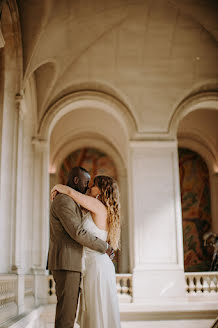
{"points": [[98, 300]]}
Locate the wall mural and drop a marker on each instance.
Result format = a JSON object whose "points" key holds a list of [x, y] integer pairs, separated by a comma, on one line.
{"points": [[196, 213], [96, 163]]}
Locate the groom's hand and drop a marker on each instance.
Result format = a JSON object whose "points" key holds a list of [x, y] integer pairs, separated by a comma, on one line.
{"points": [[110, 252]]}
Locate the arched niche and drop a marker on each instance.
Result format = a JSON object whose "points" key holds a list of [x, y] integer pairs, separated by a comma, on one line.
{"points": [[98, 142], [86, 99], [91, 125]]}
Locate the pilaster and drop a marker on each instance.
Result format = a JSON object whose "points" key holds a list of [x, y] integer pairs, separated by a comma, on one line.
{"points": [[158, 249], [40, 218], [17, 265]]}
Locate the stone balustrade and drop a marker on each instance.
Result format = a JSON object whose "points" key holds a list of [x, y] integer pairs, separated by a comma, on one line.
{"points": [[202, 283], [8, 296], [124, 288]]}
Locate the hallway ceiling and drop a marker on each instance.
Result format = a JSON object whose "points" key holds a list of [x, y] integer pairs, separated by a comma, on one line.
{"points": [[150, 53]]}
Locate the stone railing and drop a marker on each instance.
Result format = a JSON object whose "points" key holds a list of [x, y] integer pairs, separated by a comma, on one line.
{"points": [[8, 296], [124, 288], [202, 283]]}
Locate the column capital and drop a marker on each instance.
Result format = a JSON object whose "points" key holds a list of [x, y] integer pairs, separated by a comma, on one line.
{"points": [[40, 144], [20, 105], [17, 269], [153, 144]]}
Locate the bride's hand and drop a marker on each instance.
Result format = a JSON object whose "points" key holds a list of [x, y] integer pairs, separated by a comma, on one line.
{"points": [[58, 188]]}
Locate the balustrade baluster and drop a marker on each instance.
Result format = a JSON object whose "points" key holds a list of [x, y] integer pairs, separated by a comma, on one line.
{"points": [[192, 287], [198, 285], [212, 286], [206, 286]]}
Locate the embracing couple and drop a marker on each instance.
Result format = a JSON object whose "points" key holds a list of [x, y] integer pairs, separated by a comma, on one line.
{"points": [[80, 249]]}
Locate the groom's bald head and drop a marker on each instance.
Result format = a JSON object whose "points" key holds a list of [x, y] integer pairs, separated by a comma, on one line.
{"points": [[78, 179]]}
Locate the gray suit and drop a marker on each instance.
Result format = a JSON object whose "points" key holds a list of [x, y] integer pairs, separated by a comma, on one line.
{"points": [[67, 238]]}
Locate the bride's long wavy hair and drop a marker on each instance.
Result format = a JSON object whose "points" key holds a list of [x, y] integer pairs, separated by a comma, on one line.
{"points": [[110, 197]]}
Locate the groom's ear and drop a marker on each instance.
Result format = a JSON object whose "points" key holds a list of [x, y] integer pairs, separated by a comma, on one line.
{"points": [[76, 180]]}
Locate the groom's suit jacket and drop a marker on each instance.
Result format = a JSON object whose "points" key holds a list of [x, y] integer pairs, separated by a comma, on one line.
{"points": [[67, 236]]}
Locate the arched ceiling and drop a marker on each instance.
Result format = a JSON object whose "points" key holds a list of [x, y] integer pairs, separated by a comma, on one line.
{"points": [[152, 52]]}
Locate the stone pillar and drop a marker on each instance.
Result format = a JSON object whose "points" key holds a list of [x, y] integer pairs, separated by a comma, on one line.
{"points": [[20, 290], [158, 272], [40, 217], [17, 264], [18, 162], [214, 201]]}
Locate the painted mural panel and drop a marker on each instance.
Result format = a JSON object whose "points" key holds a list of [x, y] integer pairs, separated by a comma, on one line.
{"points": [[196, 212]]}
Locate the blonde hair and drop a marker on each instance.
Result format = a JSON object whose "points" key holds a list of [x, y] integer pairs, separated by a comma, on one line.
{"points": [[110, 197]]}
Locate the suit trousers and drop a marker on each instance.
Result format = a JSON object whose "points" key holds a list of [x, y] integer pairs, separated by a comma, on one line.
{"points": [[67, 291]]}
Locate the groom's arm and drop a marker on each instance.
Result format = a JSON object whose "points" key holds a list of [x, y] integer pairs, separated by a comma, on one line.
{"points": [[66, 210]]}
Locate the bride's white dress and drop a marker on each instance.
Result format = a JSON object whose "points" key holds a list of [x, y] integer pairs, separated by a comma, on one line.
{"points": [[98, 299]]}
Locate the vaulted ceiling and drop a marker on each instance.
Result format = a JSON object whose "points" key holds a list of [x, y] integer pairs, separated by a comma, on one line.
{"points": [[150, 54]]}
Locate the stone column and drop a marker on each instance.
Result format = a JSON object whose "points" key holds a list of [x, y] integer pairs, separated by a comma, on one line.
{"points": [[17, 264], [18, 163], [158, 273], [40, 218]]}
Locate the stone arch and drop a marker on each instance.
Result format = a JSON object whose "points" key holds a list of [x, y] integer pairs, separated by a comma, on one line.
{"points": [[84, 136], [201, 100], [201, 145], [81, 140], [81, 99]]}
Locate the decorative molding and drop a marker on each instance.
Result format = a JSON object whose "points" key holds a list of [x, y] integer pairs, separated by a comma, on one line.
{"points": [[40, 144], [153, 144], [84, 99]]}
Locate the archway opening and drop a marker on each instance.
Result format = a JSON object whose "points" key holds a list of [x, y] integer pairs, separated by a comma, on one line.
{"points": [[95, 162], [95, 139]]}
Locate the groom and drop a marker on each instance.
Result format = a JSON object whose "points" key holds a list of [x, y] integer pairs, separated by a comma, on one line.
{"points": [[67, 238]]}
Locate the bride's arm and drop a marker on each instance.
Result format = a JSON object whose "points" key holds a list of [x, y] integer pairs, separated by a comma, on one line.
{"points": [[90, 203]]}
